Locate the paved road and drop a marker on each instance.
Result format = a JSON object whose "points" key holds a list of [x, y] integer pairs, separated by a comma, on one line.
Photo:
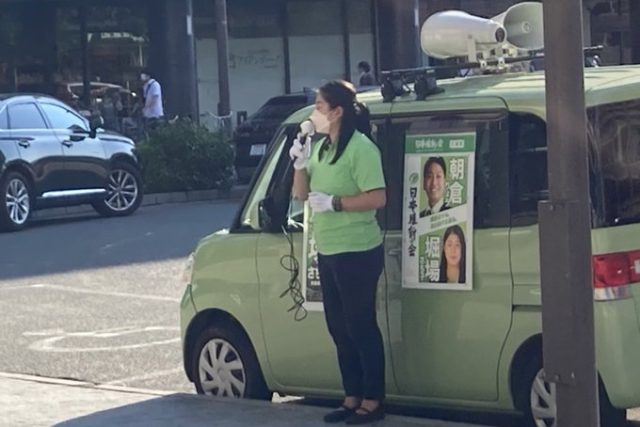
{"points": [[97, 299]]}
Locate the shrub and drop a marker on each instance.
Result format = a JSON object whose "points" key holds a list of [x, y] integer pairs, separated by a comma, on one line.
{"points": [[182, 156]]}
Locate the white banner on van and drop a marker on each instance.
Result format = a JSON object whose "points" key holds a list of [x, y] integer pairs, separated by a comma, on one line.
{"points": [[438, 211], [311, 280]]}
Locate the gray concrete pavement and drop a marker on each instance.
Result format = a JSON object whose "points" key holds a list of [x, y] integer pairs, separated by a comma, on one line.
{"points": [[97, 299], [35, 402]]}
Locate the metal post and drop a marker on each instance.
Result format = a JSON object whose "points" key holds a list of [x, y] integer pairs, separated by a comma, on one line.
{"points": [[222, 38], [396, 34], [634, 15], [346, 39], [565, 232], [84, 48]]}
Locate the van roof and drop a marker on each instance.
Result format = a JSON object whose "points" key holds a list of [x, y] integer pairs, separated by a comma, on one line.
{"points": [[521, 92]]}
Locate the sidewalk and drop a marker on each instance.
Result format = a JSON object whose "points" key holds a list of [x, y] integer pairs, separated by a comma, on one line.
{"points": [[39, 402]]}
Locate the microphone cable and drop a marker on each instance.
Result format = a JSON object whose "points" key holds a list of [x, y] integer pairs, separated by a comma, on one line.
{"points": [[294, 288], [291, 265]]}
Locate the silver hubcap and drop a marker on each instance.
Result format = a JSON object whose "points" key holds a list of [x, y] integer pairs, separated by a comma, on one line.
{"points": [[221, 370], [17, 201], [543, 402], [123, 190]]}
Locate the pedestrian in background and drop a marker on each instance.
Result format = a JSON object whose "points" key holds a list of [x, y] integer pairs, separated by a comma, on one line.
{"points": [[343, 180], [153, 111], [366, 76]]}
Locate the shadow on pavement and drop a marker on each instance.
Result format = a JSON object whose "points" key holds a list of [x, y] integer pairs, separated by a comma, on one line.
{"points": [[154, 233], [188, 410]]}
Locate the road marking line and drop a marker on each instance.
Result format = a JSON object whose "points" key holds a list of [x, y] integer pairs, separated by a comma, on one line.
{"points": [[105, 293], [50, 343], [148, 376]]}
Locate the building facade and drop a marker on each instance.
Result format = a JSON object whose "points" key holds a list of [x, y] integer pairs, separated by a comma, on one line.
{"points": [[275, 46]]}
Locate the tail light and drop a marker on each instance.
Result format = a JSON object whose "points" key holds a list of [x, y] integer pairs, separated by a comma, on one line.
{"points": [[613, 273]]}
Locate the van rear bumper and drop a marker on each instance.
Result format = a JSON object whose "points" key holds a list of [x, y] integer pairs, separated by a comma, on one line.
{"points": [[618, 351]]}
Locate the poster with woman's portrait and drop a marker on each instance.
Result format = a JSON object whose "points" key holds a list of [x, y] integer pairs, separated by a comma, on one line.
{"points": [[438, 211]]}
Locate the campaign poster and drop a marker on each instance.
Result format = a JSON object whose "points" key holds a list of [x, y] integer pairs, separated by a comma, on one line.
{"points": [[311, 281], [438, 211]]}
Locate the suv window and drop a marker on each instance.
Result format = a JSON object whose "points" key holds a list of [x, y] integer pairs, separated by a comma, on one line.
{"points": [[491, 180], [280, 107], [61, 118], [528, 161], [26, 116]]}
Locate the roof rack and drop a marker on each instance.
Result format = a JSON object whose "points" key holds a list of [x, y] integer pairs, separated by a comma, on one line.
{"points": [[425, 79]]}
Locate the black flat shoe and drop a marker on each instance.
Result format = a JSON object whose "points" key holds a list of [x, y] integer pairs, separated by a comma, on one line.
{"points": [[339, 415], [366, 418]]}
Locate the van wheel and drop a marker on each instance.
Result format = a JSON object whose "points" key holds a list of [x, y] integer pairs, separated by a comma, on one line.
{"points": [[15, 202], [224, 364], [541, 410]]}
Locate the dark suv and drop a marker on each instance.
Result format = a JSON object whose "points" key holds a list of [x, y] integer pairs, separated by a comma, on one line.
{"points": [[253, 135], [50, 156]]}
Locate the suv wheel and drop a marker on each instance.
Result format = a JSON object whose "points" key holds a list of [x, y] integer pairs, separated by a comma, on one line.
{"points": [[124, 193], [15, 202], [541, 396], [224, 364]]}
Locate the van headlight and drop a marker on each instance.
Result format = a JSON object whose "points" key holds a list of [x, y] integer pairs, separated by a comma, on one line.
{"points": [[188, 270]]}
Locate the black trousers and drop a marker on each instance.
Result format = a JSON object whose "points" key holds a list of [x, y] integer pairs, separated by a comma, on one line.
{"points": [[349, 284]]}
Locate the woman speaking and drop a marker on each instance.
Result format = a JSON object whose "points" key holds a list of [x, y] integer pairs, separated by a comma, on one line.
{"points": [[342, 178]]}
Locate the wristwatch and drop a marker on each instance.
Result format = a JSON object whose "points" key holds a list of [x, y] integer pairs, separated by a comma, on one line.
{"points": [[336, 203]]}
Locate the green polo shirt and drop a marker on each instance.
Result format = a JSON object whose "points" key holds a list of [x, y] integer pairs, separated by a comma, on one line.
{"points": [[358, 170]]}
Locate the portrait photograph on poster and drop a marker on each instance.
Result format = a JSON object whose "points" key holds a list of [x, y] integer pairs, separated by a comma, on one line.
{"points": [[438, 211]]}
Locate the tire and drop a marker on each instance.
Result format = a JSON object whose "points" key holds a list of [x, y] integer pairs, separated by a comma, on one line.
{"points": [[125, 192], [16, 201], [239, 377], [526, 400]]}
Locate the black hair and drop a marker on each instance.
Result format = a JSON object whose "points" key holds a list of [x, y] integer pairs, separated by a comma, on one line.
{"points": [[147, 72], [365, 66], [462, 278], [355, 115], [434, 161]]}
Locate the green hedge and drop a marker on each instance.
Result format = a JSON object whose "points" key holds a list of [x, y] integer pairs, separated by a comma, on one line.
{"points": [[182, 156]]}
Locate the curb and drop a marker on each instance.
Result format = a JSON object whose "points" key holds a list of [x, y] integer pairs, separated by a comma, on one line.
{"points": [[236, 193], [82, 384]]}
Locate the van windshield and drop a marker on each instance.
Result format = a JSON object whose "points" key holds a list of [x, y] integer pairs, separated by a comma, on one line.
{"points": [[614, 139]]}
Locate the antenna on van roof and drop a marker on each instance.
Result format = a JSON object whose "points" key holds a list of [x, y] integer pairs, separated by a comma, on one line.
{"points": [[425, 80]]}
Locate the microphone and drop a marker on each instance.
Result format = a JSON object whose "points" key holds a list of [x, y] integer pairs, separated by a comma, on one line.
{"points": [[307, 129]]}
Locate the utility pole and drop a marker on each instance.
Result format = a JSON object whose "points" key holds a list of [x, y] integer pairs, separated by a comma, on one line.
{"points": [[84, 48], [565, 224], [222, 38]]}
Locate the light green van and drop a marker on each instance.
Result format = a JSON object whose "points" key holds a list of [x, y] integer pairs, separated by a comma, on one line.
{"points": [[477, 349]]}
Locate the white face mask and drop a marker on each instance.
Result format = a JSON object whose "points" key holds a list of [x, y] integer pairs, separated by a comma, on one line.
{"points": [[320, 122]]}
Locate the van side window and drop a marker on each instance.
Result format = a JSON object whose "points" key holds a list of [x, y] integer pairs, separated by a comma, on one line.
{"points": [[528, 161], [491, 202]]}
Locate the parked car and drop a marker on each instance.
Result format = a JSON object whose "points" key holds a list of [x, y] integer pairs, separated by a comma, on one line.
{"points": [[251, 138], [50, 156]]}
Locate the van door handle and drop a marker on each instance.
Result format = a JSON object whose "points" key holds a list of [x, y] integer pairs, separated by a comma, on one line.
{"points": [[67, 144], [24, 143], [395, 252]]}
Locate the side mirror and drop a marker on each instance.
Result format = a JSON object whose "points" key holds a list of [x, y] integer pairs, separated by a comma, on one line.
{"points": [[95, 122], [268, 216]]}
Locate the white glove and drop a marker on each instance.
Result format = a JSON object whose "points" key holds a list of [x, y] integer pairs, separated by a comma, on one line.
{"points": [[320, 202], [300, 153]]}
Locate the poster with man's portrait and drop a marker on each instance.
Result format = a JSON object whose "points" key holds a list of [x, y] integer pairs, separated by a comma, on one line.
{"points": [[438, 211]]}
